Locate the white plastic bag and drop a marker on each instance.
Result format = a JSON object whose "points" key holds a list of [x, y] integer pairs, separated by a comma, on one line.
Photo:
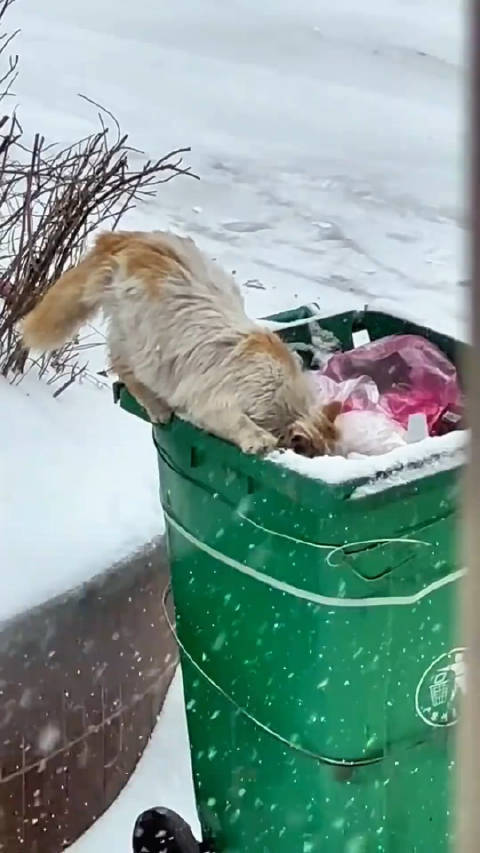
{"points": [[368, 433], [358, 393]]}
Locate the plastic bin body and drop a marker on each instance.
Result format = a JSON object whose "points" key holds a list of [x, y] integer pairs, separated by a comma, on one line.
{"points": [[322, 678]]}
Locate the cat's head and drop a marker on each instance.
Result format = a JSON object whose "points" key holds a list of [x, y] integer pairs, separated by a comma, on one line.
{"points": [[314, 434]]}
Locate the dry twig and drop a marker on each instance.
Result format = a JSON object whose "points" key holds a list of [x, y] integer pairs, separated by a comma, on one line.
{"points": [[51, 199]]}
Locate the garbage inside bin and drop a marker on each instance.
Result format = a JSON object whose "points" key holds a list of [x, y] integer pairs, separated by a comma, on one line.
{"points": [[363, 426], [385, 387], [411, 374], [368, 433]]}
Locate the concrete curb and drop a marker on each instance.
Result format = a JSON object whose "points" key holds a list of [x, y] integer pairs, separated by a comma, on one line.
{"points": [[82, 680]]}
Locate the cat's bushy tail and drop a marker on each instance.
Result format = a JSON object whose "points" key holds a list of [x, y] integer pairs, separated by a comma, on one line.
{"points": [[73, 299]]}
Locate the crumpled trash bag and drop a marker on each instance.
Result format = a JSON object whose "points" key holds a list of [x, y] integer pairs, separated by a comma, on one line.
{"points": [[360, 393], [411, 376], [362, 425], [368, 433]]}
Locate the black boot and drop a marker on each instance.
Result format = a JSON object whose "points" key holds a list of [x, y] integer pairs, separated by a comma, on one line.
{"points": [[160, 830]]}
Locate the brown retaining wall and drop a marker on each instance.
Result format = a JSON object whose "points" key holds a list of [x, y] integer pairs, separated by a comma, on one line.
{"points": [[82, 680]]}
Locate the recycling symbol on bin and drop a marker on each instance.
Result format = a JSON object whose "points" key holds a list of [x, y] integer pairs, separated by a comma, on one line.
{"points": [[440, 689]]}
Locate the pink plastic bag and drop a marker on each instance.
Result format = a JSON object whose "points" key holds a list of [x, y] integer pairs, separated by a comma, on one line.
{"points": [[411, 375]]}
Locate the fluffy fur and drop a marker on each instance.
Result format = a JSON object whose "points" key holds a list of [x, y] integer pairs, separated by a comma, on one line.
{"points": [[181, 342]]}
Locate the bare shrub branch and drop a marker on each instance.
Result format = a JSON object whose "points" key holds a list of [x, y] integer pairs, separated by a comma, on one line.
{"points": [[51, 199], [8, 75]]}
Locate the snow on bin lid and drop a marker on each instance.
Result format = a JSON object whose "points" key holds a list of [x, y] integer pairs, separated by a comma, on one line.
{"points": [[409, 462]]}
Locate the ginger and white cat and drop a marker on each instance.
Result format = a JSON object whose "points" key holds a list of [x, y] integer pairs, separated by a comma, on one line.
{"points": [[181, 342]]}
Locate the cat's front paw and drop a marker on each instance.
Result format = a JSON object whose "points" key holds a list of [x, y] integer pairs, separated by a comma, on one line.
{"points": [[159, 413], [261, 442]]}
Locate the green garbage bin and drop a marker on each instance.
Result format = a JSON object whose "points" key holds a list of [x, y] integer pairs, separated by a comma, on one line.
{"points": [[321, 678]]}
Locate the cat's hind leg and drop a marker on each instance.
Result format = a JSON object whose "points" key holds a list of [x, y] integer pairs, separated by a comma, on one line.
{"points": [[157, 409]]}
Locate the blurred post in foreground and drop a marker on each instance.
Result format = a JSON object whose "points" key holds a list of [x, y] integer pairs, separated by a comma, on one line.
{"points": [[468, 794]]}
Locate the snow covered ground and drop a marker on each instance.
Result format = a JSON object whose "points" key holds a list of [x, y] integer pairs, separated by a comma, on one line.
{"points": [[162, 778], [78, 489], [329, 142]]}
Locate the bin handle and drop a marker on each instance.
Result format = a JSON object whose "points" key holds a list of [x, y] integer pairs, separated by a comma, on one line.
{"points": [[278, 326], [330, 548], [333, 549], [305, 595], [322, 759]]}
